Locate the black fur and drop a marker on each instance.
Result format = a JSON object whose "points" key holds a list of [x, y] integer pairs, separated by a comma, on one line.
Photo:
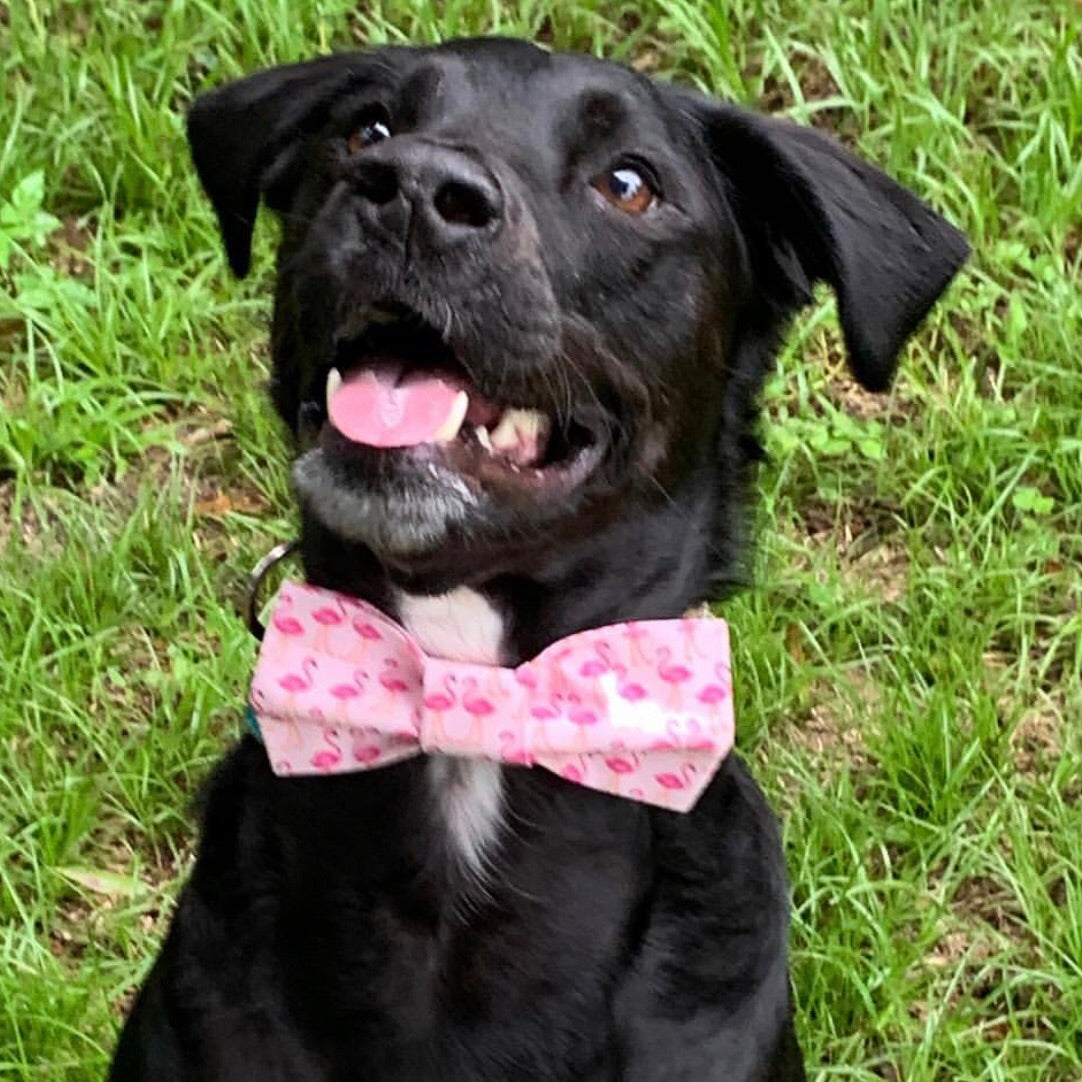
{"points": [[327, 933]]}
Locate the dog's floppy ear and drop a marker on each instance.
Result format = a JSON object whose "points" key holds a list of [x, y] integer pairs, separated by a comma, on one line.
{"points": [[811, 211], [247, 138]]}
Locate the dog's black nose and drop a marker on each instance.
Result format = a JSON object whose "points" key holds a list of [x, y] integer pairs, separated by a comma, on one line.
{"points": [[449, 192]]}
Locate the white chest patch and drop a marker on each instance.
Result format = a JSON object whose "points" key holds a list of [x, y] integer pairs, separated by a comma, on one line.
{"points": [[461, 626]]}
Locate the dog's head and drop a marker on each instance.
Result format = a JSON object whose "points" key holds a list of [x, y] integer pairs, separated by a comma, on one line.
{"points": [[603, 264]]}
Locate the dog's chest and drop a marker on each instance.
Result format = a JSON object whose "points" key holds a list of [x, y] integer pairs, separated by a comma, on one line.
{"points": [[467, 794]]}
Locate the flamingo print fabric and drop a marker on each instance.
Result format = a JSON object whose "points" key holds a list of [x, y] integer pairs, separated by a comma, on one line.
{"points": [[642, 710]]}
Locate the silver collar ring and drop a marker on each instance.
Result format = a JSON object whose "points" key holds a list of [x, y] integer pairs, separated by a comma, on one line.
{"points": [[255, 582]]}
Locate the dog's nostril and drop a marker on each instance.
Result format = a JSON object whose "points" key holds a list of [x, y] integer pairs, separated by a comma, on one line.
{"points": [[465, 204], [377, 181]]}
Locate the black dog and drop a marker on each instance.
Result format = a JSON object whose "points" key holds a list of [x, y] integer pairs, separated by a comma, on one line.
{"points": [[617, 260]]}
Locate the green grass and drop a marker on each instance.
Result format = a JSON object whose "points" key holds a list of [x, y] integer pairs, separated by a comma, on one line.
{"points": [[910, 661]]}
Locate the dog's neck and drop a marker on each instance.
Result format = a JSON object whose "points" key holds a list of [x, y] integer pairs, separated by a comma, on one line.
{"points": [[460, 625], [653, 564], [647, 567]]}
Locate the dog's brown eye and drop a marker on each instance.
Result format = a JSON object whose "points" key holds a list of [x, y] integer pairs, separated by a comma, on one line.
{"points": [[371, 131], [627, 188]]}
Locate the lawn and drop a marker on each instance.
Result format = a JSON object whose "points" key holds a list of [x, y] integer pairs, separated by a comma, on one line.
{"points": [[909, 659]]}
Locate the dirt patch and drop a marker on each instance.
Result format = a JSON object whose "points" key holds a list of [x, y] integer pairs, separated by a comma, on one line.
{"points": [[882, 571], [1038, 737], [18, 520], [871, 556], [12, 335], [68, 247], [825, 735], [1072, 246], [214, 505], [816, 84], [201, 435], [647, 60], [977, 342], [838, 523], [847, 395], [954, 946], [205, 473], [983, 900], [844, 393], [832, 731], [241, 498], [88, 915], [982, 954], [71, 21], [37, 525], [72, 928]]}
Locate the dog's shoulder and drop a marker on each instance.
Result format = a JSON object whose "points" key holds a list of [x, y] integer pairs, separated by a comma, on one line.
{"points": [[728, 844]]}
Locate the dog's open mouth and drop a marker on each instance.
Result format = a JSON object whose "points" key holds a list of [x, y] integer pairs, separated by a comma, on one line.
{"points": [[397, 390]]}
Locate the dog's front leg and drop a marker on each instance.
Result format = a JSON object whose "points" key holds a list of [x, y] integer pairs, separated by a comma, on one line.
{"points": [[756, 1043], [706, 998], [182, 1028]]}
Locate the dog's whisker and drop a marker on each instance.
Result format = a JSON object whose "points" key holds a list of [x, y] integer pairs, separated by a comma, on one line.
{"points": [[706, 536]]}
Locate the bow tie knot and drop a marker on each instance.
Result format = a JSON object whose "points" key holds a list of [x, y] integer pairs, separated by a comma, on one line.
{"points": [[642, 709]]}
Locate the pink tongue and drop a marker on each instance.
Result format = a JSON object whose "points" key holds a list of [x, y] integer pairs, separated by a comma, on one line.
{"points": [[371, 408]]}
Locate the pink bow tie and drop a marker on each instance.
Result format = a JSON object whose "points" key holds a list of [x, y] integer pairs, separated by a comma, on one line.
{"points": [[642, 710]]}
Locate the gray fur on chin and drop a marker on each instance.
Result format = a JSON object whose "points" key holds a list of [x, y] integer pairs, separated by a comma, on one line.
{"points": [[406, 516]]}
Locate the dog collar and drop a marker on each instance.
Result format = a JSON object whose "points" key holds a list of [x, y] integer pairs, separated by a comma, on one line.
{"points": [[255, 582]]}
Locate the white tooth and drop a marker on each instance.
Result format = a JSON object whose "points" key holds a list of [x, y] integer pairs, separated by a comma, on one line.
{"points": [[516, 424], [505, 435], [483, 438], [541, 426], [449, 429], [334, 381]]}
